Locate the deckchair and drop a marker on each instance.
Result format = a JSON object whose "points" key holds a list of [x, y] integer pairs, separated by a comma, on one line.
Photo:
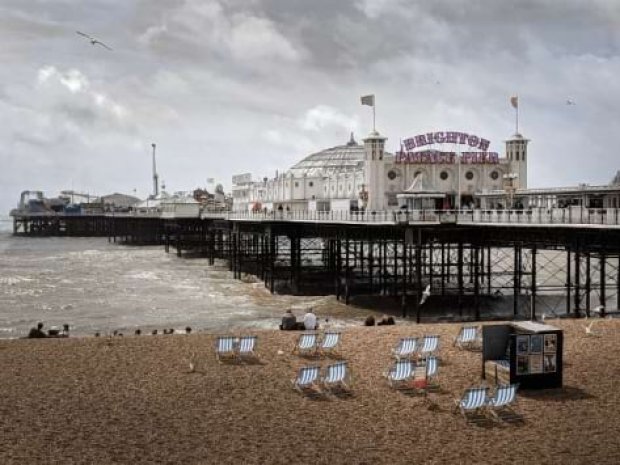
{"points": [[247, 347], [473, 402], [306, 344], [225, 348], [337, 376], [502, 402], [431, 373], [401, 374], [330, 341], [307, 378], [468, 337], [428, 346], [406, 348]]}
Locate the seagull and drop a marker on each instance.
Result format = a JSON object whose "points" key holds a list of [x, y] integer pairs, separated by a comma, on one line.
{"points": [[600, 309], [93, 41], [192, 366], [426, 294], [589, 328], [570, 102]]}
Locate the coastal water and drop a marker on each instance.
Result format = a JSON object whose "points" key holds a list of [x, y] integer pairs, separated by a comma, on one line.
{"points": [[96, 286]]}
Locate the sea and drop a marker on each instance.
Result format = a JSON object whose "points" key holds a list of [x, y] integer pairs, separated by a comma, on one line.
{"points": [[97, 286]]}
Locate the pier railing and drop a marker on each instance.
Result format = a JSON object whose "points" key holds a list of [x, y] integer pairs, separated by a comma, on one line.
{"points": [[608, 217], [535, 216]]}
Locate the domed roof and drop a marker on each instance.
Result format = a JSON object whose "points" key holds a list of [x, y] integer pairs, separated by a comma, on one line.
{"points": [[340, 158]]}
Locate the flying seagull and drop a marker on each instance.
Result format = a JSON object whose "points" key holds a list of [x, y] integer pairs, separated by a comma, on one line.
{"points": [[93, 41], [570, 102], [589, 328]]}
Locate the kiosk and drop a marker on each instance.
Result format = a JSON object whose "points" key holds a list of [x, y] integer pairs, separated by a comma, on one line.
{"points": [[527, 353]]}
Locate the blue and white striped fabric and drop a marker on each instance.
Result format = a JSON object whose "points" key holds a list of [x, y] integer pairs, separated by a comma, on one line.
{"points": [[307, 376], [402, 371], [307, 341], [336, 373], [406, 347], [431, 367], [225, 345], [429, 345], [247, 345], [330, 340], [474, 398], [468, 334], [505, 395]]}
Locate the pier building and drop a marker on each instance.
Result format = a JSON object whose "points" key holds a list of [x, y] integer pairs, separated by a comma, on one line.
{"points": [[435, 170]]}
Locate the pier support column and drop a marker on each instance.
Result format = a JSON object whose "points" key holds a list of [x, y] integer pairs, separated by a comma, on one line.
{"points": [[476, 262], [577, 274], [347, 268], [516, 284], [602, 301], [568, 280], [533, 286], [588, 285], [460, 284]]}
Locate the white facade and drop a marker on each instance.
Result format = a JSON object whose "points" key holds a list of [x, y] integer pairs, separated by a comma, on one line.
{"points": [[355, 176]]}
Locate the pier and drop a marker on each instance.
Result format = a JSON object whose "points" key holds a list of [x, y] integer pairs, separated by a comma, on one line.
{"points": [[560, 262]]}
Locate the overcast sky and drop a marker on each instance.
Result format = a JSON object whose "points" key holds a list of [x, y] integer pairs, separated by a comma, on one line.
{"points": [[231, 86]]}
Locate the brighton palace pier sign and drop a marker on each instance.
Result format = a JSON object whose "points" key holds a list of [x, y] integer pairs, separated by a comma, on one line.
{"points": [[407, 155]]}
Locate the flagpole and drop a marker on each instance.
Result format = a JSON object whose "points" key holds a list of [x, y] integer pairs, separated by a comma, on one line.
{"points": [[517, 116], [374, 128]]}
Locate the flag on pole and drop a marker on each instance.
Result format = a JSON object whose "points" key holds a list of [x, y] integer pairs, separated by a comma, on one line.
{"points": [[368, 100], [514, 101]]}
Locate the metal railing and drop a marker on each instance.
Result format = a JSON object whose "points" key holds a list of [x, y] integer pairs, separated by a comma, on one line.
{"points": [[536, 216]]}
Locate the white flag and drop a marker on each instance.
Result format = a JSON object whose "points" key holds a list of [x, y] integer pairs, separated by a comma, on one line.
{"points": [[368, 100]]}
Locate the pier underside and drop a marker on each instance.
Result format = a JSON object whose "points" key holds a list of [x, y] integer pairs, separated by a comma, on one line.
{"points": [[425, 271]]}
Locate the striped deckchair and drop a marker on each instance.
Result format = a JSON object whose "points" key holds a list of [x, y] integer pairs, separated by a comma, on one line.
{"points": [[306, 344], [406, 348], [432, 372], [473, 402], [468, 337], [330, 341], [337, 376], [225, 347], [307, 378], [401, 374], [428, 346], [502, 402], [247, 347]]}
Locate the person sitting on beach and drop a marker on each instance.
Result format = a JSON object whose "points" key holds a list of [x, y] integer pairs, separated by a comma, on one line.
{"points": [[310, 321], [289, 321], [386, 320], [37, 332]]}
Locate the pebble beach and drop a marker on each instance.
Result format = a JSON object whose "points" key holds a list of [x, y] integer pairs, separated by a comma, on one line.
{"points": [[130, 400]]}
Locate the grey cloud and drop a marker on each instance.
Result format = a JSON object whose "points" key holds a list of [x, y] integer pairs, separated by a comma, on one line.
{"points": [[207, 83]]}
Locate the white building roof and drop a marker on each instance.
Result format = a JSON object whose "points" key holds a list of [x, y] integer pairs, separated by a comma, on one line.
{"points": [[341, 158]]}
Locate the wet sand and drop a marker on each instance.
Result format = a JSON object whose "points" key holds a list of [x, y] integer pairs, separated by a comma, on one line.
{"points": [[133, 400]]}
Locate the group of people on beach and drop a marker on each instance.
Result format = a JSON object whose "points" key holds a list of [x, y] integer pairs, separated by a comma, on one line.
{"points": [[310, 321], [39, 333], [290, 323], [385, 320]]}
